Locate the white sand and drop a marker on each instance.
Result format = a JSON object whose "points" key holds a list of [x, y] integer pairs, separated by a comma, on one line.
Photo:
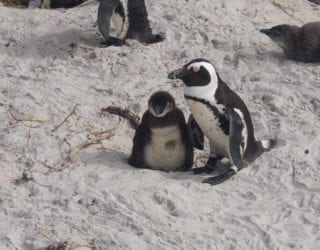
{"points": [[99, 199]]}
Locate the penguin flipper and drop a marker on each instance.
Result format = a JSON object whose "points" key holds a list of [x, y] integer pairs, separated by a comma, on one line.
{"points": [[196, 133], [141, 137], [235, 136], [188, 163], [105, 12]]}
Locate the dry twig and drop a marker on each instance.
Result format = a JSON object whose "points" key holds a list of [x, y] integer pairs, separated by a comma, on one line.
{"points": [[67, 246], [279, 6], [93, 140], [26, 177], [125, 113], [26, 119], [65, 119], [293, 172]]}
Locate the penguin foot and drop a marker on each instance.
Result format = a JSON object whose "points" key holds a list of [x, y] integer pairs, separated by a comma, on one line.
{"points": [[212, 161], [155, 38], [202, 170], [221, 177], [209, 167], [112, 41], [183, 169]]}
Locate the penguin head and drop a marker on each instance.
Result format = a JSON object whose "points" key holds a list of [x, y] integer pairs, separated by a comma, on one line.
{"points": [[196, 73], [161, 103], [277, 33]]}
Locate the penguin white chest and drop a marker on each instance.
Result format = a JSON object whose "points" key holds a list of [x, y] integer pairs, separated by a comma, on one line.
{"points": [[118, 23], [210, 126], [165, 150]]}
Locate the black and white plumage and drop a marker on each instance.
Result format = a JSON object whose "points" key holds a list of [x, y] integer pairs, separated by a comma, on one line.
{"points": [[298, 43], [130, 19], [162, 140], [53, 4], [221, 116]]}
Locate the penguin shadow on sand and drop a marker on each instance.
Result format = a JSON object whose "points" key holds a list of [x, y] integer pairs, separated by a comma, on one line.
{"points": [[54, 45], [110, 158], [262, 55]]}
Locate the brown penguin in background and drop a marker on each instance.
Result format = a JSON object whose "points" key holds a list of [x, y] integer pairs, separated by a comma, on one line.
{"points": [[298, 43]]}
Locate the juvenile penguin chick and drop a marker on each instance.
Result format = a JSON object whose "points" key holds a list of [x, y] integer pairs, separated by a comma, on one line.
{"points": [[298, 43], [130, 19], [162, 140], [221, 115]]}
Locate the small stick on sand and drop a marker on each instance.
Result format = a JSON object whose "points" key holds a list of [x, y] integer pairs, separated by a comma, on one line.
{"points": [[26, 177], [28, 136], [293, 172], [66, 118], [73, 151], [65, 245], [279, 6], [77, 245], [125, 113], [26, 119], [44, 235]]}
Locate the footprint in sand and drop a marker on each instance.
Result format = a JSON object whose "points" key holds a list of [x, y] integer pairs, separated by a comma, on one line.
{"points": [[163, 198]]}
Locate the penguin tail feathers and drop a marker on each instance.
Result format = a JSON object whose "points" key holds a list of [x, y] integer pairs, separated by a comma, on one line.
{"points": [[270, 144], [267, 144]]}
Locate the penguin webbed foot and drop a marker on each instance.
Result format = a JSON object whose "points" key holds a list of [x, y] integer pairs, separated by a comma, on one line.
{"points": [[209, 167], [202, 170], [220, 178], [112, 41], [155, 38], [183, 169]]}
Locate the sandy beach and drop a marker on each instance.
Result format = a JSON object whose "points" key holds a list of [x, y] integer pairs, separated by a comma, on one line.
{"points": [[54, 81]]}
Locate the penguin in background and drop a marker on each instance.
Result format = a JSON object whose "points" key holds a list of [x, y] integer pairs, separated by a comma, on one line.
{"points": [[298, 43], [162, 140], [130, 19], [221, 115]]}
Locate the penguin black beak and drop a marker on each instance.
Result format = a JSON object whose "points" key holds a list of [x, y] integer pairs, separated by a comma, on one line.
{"points": [[158, 109], [265, 31], [178, 74]]}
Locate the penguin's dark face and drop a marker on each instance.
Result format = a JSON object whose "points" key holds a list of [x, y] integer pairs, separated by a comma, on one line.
{"points": [[198, 72], [277, 33], [160, 104]]}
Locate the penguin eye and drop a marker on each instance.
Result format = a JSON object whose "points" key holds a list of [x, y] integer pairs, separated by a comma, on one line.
{"points": [[194, 68], [276, 32]]}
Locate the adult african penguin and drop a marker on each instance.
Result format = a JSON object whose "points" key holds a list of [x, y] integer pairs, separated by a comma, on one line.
{"points": [[298, 43], [221, 115], [162, 140], [130, 19]]}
